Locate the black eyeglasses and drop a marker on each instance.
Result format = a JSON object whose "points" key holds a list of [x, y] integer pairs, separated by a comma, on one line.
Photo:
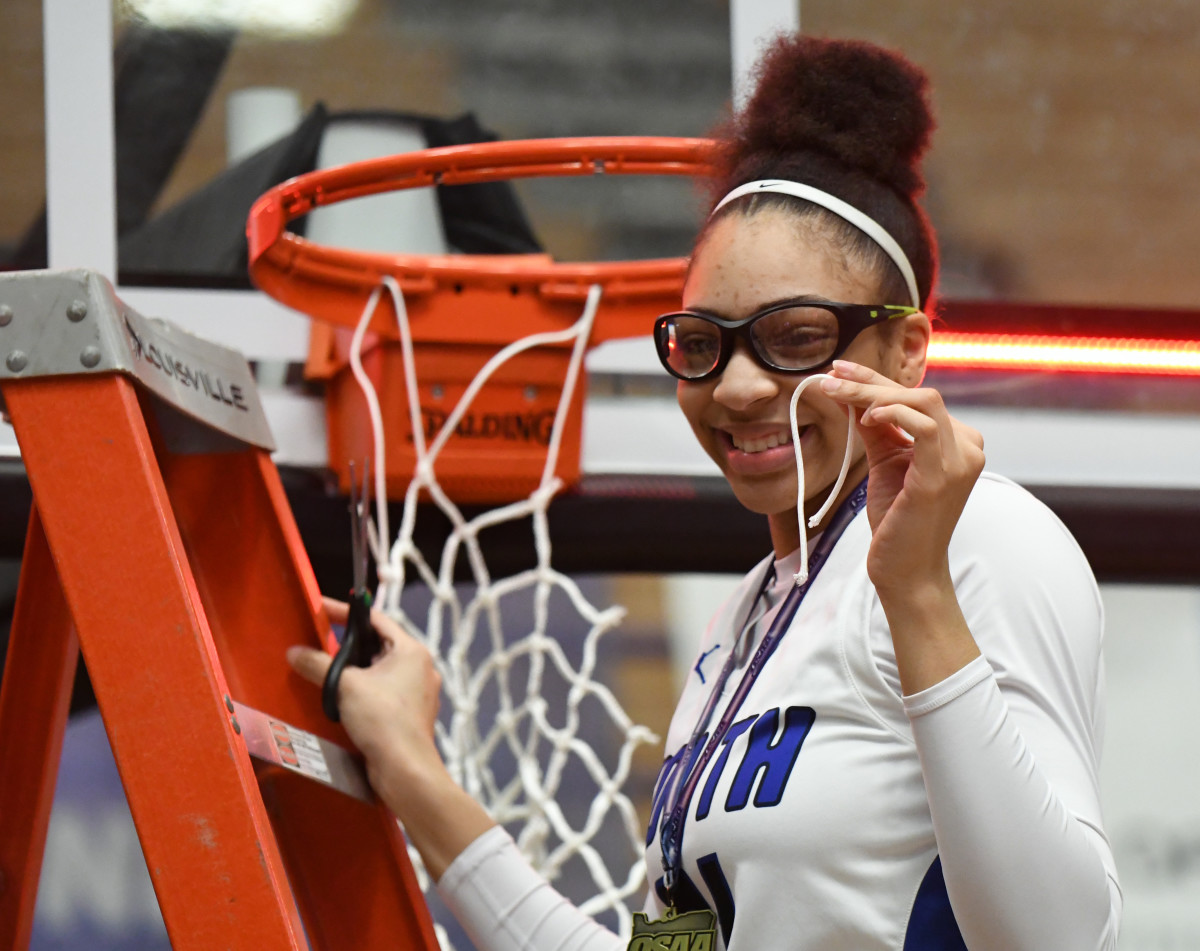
{"points": [[792, 336]]}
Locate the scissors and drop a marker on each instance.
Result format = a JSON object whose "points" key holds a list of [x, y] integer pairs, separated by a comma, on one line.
{"points": [[360, 642]]}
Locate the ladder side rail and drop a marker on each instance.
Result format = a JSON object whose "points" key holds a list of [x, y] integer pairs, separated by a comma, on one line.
{"points": [[347, 860], [34, 699]]}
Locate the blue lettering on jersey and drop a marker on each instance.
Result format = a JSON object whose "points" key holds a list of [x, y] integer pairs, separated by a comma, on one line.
{"points": [[664, 784], [774, 758], [704, 803]]}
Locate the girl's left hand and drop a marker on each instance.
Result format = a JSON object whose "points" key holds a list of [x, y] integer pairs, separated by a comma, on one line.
{"points": [[923, 464]]}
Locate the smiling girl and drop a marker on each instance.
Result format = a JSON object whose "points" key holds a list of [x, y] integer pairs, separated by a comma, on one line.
{"points": [[896, 743]]}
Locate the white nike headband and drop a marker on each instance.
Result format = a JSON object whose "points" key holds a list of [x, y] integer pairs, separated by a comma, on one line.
{"points": [[869, 226]]}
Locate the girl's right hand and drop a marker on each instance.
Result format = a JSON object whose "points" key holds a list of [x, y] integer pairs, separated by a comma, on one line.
{"points": [[388, 709]]}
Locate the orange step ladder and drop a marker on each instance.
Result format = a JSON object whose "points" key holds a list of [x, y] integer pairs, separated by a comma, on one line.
{"points": [[161, 545]]}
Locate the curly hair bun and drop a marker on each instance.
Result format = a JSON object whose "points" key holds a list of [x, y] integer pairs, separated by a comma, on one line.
{"points": [[863, 106]]}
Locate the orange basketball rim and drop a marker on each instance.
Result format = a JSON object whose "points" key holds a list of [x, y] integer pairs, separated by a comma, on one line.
{"points": [[332, 284]]}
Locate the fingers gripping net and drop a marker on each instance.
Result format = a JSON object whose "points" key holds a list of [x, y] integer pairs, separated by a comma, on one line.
{"points": [[514, 672]]}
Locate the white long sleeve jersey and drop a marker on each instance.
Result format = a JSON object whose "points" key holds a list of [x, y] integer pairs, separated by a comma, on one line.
{"points": [[836, 814]]}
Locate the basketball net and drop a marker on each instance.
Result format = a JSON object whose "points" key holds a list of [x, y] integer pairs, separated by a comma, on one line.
{"points": [[521, 731]]}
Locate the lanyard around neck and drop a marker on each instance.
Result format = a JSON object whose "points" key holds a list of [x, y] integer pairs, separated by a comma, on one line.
{"points": [[683, 788]]}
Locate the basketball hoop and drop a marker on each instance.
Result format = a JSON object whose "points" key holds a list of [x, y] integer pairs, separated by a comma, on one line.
{"points": [[462, 308], [463, 343]]}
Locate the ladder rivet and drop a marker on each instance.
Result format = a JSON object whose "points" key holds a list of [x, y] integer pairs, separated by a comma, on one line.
{"points": [[237, 727], [17, 361], [6, 315], [228, 703], [77, 311], [90, 357]]}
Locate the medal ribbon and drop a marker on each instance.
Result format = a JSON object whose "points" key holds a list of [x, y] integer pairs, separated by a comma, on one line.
{"points": [[671, 838]]}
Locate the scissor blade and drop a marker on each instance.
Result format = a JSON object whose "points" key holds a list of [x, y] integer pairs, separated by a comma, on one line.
{"points": [[364, 523], [359, 550]]}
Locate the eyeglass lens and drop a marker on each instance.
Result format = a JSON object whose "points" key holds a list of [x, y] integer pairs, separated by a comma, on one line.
{"points": [[791, 338]]}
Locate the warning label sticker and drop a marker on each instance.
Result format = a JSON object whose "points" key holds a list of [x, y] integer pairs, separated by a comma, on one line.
{"points": [[300, 750]]}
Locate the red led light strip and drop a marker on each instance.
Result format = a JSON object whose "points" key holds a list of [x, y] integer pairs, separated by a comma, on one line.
{"points": [[1079, 354]]}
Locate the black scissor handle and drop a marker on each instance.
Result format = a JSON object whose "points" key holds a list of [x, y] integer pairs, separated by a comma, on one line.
{"points": [[360, 643]]}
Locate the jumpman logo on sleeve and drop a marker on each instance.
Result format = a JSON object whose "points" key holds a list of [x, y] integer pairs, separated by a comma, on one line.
{"points": [[700, 662]]}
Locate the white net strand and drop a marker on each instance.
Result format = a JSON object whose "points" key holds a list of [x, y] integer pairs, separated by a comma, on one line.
{"points": [[376, 416], [541, 752], [801, 575]]}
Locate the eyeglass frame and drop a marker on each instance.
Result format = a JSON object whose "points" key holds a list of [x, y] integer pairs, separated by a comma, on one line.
{"points": [[852, 320]]}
